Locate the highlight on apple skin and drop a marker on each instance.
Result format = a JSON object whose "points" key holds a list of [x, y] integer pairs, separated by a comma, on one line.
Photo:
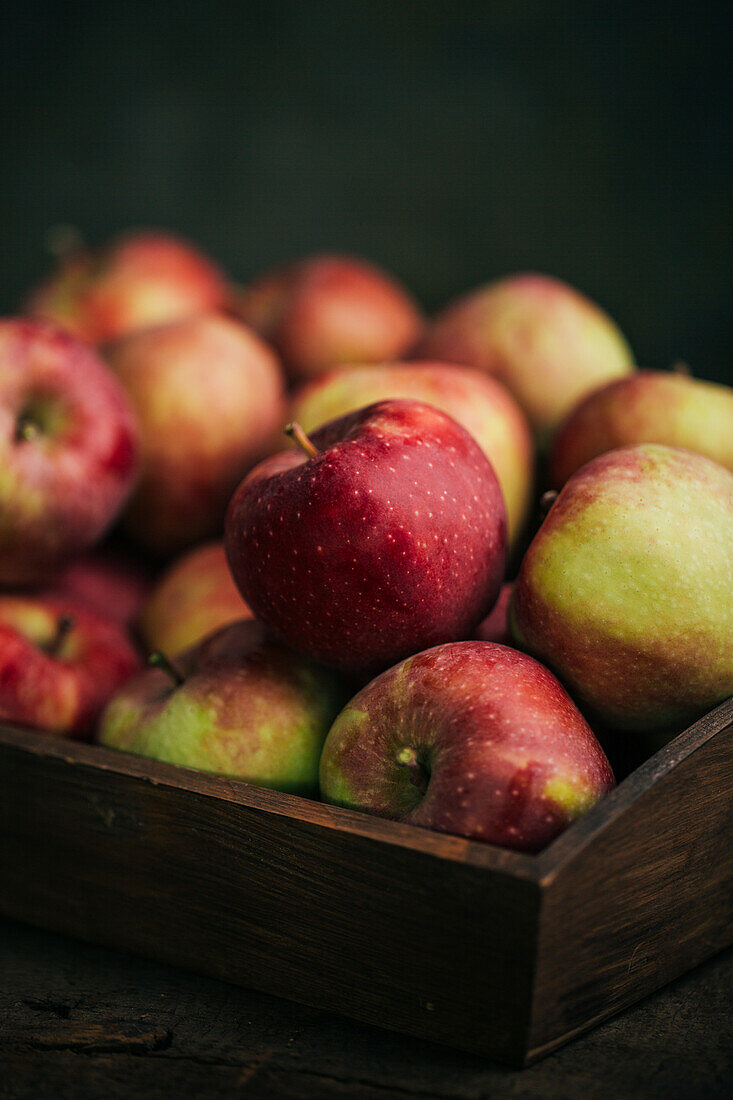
{"points": [[389, 538], [69, 449], [483, 406], [195, 596], [238, 704], [328, 309], [665, 407], [59, 663], [208, 395], [626, 589], [545, 341], [143, 278], [468, 738]]}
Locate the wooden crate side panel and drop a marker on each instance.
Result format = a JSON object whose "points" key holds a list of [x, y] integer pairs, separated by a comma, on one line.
{"points": [[649, 898], [428, 946]]}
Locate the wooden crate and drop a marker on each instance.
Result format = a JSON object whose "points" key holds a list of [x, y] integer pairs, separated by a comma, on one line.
{"points": [[504, 954]]}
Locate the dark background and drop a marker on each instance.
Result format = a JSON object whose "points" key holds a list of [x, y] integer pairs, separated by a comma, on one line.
{"points": [[452, 142]]}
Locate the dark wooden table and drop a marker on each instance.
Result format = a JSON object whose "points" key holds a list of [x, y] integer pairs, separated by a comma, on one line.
{"points": [[83, 1023]]}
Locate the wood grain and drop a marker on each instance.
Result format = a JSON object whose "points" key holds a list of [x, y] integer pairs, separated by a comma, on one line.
{"points": [[638, 897], [334, 917], [487, 950]]}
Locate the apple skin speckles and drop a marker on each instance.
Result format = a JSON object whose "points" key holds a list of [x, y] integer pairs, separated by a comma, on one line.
{"points": [[469, 738], [338, 563]]}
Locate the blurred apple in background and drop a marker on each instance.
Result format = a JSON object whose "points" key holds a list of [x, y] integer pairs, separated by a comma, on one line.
{"points": [[194, 597], [647, 407], [59, 663], [467, 738], [390, 538], [627, 589], [68, 449], [238, 704], [144, 278], [324, 310], [481, 404], [495, 627], [208, 394], [547, 343], [110, 581]]}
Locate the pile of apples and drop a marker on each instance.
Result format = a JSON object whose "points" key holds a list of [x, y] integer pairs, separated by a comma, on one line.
{"points": [[357, 608]]}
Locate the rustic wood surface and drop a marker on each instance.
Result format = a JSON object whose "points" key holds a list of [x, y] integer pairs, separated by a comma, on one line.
{"points": [[649, 896], [273, 892], [83, 1023]]}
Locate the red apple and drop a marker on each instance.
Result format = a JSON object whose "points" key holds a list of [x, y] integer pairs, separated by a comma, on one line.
{"points": [[238, 704], [208, 394], [389, 539], [68, 449], [495, 627], [326, 309], [59, 663], [647, 407], [141, 279], [547, 343], [469, 738], [108, 581], [481, 404], [194, 597]]}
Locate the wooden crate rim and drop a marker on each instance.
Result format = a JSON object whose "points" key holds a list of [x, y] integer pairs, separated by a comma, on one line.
{"points": [[539, 869]]}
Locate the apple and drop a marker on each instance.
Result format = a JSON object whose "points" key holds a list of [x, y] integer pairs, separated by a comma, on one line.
{"points": [[481, 404], [647, 407], [208, 394], [386, 537], [469, 738], [195, 596], [109, 581], [144, 278], [238, 704], [627, 589], [495, 627], [68, 449], [544, 340], [326, 309], [59, 663]]}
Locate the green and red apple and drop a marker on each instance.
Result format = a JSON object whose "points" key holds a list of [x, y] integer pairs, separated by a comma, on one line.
{"points": [[238, 704], [208, 395], [69, 449], [141, 279], [195, 596], [545, 341], [469, 738], [59, 663], [647, 407], [386, 537], [330, 309], [481, 404], [627, 589]]}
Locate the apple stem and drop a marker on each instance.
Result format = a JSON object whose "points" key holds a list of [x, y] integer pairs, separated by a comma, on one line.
{"points": [[26, 429], [680, 367], [159, 660], [295, 432], [547, 500], [64, 626], [408, 758]]}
